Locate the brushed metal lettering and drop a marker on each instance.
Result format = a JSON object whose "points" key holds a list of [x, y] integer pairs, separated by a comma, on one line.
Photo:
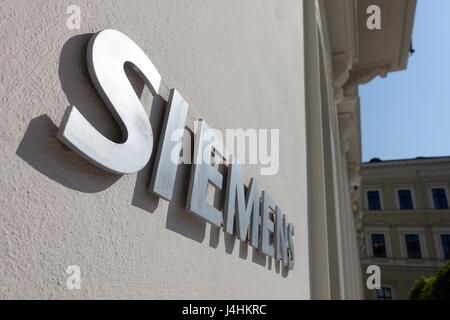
{"points": [[165, 168], [291, 251], [281, 237], [240, 207], [107, 53], [203, 173], [267, 225]]}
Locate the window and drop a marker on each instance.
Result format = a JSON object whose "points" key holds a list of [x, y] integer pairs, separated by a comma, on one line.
{"points": [[439, 198], [378, 245], [413, 246], [373, 200], [384, 293], [445, 241], [405, 199]]}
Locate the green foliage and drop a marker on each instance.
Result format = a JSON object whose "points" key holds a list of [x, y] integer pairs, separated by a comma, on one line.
{"points": [[432, 288], [417, 289], [428, 290], [441, 287]]}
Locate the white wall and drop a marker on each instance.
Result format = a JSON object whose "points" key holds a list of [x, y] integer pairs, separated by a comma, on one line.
{"points": [[239, 64]]}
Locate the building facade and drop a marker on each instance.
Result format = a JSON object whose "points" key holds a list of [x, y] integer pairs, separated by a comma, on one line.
{"points": [[288, 65], [406, 221]]}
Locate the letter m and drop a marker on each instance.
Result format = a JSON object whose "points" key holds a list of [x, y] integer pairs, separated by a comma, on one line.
{"points": [[247, 205]]}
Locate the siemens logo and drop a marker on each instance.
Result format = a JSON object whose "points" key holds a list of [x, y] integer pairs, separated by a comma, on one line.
{"points": [[248, 210]]}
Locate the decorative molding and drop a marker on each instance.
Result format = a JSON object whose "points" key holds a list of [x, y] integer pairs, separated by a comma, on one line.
{"points": [[364, 75], [341, 68], [346, 130], [407, 162], [438, 172]]}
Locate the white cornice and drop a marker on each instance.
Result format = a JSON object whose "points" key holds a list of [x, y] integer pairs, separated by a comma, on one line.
{"points": [[443, 172], [410, 8], [419, 162]]}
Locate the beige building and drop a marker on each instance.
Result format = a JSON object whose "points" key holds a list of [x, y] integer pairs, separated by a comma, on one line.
{"points": [[289, 65], [406, 221]]}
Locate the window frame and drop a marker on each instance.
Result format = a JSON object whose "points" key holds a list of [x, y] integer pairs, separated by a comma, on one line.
{"points": [[387, 239], [413, 197], [420, 231], [366, 198], [384, 243], [438, 231], [442, 245], [416, 238], [431, 198], [391, 288]]}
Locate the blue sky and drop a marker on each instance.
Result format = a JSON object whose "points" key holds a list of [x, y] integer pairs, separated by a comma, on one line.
{"points": [[407, 114]]}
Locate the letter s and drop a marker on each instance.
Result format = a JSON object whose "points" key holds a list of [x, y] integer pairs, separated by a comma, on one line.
{"points": [[291, 250], [107, 53]]}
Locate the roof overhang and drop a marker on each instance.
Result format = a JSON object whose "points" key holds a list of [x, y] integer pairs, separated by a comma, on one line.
{"points": [[359, 54]]}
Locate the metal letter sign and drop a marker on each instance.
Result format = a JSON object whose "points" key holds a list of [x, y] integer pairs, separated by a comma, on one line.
{"points": [[202, 173], [248, 212], [107, 53], [163, 178], [247, 205]]}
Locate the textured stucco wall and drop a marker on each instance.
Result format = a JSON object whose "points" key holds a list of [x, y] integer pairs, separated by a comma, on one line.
{"points": [[239, 64]]}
